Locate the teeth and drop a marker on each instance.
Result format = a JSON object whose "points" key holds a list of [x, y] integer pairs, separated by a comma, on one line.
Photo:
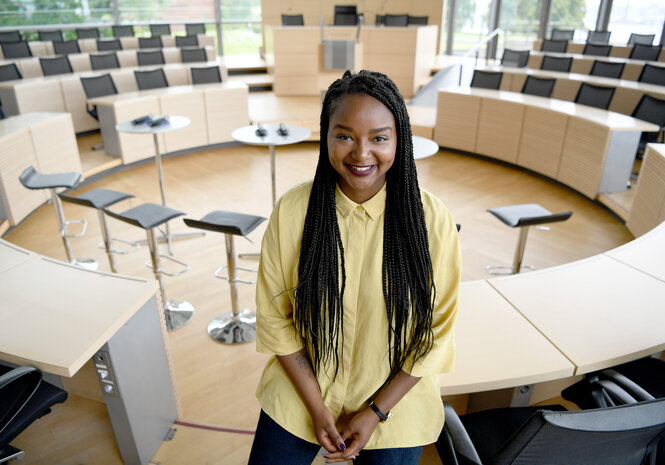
{"points": [[362, 168]]}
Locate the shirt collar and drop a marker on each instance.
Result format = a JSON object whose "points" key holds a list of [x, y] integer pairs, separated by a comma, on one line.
{"points": [[374, 207]]}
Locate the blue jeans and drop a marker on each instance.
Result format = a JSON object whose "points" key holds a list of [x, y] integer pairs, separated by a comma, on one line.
{"points": [[273, 445]]}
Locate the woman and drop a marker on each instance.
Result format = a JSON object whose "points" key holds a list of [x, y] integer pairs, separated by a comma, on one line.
{"points": [[357, 294]]}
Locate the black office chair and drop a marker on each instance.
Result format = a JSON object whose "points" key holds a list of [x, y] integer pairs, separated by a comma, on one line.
{"points": [[193, 55], [9, 72], [541, 87], [598, 50], [418, 20], [293, 20], [87, 33], [207, 75], [123, 30], [160, 30], [562, 34], [624, 435], [104, 61], [56, 65], [396, 20], [379, 20], [644, 39], [345, 15], [24, 397], [607, 69], [50, 36], [66, 47], [195, 28], [650, 109], [154, 79], [153, 57], [150, 42], [515, 58], [19, 49], [561, 64], [557, 46], [186, 41], [10, 36], [595, 96], [486, 79], [645, 52], [653, 75], [598, 37], [109, 45], [97, 86]]}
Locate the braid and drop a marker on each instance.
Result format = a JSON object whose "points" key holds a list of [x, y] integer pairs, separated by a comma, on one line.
{"points": [[408, 286]]}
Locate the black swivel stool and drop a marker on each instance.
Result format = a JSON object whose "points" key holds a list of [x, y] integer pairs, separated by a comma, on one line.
{"points": [[236, 326], [99, 199], [150, 216], [31, 179], [523, 216]]}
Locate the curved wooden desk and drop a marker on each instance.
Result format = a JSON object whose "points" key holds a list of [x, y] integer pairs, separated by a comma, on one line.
{"points": [[622, 51]]}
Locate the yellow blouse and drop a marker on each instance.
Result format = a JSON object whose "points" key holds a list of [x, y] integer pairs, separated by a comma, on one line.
{"points": [[418, 417]]}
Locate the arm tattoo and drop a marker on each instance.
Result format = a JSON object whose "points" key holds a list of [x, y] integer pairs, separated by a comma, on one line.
{"points": [[304, 365]]}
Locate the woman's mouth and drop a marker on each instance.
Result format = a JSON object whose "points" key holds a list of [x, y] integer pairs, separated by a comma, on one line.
{"points": [[360, 170]]}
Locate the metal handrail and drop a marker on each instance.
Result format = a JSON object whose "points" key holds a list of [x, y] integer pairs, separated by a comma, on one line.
{"points": [[477, 48]]}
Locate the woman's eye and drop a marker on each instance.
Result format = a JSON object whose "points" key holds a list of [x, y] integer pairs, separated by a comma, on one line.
{"points": [[344, 137], [380, 138]]}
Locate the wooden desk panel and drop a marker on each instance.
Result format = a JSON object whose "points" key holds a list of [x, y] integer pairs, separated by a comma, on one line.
{"points": [[192, 106], [648, 209], [582, 64], [234, 111], [457, 121], [619, 51], [55, 145], [499, 129], [541, 145]]}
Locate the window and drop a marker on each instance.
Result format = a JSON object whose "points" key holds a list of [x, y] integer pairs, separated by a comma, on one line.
{"points": [[639, 16]]}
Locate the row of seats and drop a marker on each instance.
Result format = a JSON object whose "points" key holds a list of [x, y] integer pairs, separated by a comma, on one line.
{"points": [[22, 49], [385, 20], [127, 30], [601, 37], [646, 52]]}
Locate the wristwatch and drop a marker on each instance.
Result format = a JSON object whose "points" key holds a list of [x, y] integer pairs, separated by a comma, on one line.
{"points": [[382, 416]]}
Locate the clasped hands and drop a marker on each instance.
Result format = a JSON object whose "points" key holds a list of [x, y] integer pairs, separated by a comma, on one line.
{"points": [[344, 445]]}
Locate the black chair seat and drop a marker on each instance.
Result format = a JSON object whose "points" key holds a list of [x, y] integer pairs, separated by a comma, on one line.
{"points": [[226, 222], [97, 198], [31, 179], [146, 216], [527, 215]]}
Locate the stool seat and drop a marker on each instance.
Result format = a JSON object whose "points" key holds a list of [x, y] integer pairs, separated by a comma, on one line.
{"points": [[31, 179], [97, 198], [528, 214], [226, 222], [146, 216]]}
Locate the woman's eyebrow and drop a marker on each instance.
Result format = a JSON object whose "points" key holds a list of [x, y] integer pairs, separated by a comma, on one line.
{"points": [[341, 126], [385, 128]]}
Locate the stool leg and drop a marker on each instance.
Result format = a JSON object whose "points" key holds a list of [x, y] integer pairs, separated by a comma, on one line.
{"points": [[107, 240], [519, 251], [60, 215], [239, 326]]}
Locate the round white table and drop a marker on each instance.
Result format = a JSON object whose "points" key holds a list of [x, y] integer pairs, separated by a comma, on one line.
{"points": [[247, 135], [423, 148]]}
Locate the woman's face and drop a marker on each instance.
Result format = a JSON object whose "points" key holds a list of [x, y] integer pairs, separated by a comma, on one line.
{"points": [[362, 141]]}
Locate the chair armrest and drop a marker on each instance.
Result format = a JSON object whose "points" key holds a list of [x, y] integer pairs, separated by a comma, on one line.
{"points": [[617, 392], [628, 385], [459, 438]]}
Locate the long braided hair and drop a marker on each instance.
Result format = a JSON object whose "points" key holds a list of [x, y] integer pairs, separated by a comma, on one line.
{"points": [[408, 286]]}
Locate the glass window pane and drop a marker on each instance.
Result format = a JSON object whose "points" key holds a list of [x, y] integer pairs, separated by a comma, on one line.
{"points": [[470, 25], [579, 15], [519, 22], [639, 16]]}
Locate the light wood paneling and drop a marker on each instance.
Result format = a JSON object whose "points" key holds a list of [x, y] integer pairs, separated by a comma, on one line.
{"points": [[55, 145], [192, 106], [648, 208], [226, 109], [457, 121], [499, 129], [543, 133]]}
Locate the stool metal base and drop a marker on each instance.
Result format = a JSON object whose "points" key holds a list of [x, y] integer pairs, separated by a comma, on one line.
{"points": [[178, 313], [232, 329], [87, 263]]}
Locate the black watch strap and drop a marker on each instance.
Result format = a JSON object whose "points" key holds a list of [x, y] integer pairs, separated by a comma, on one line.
{"points": [[382, 416]]}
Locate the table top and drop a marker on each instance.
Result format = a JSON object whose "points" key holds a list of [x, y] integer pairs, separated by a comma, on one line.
{"points": [[423, 148], [247, 135], [641, 252], [174, 123]]}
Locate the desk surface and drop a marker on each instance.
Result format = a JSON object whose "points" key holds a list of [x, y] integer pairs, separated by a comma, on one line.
{"points": [[61, 314], [640, 253], [17, 122]]}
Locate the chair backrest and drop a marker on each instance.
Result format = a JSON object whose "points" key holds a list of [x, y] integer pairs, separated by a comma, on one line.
{"points": [[607, 69], [562, 34], [379, 20], [150, 42], [16, 389], [9, 72], [345, 15], [515, 58], [126, 30], [98, 86], [50, 36], [57, 65], [293, 20], [650, 109], [104, 61], [421, 20], [193, 55], [645, 52], [10, 36], [206, 75], [87, 33], [486, 79], [154, 79], [595, 96], [562, 64], [652, 74], [186, 41], [396, 20], [66, 47], [108, 45], [598, 37], [644, 39], [160, 30], [152, 57], [538, 86], [551, 45], [623, 434], [195, 28], [599, 50], [19, 49]]}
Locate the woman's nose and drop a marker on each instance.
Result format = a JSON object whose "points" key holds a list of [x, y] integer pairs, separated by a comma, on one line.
{"points": [[362, 149]]}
